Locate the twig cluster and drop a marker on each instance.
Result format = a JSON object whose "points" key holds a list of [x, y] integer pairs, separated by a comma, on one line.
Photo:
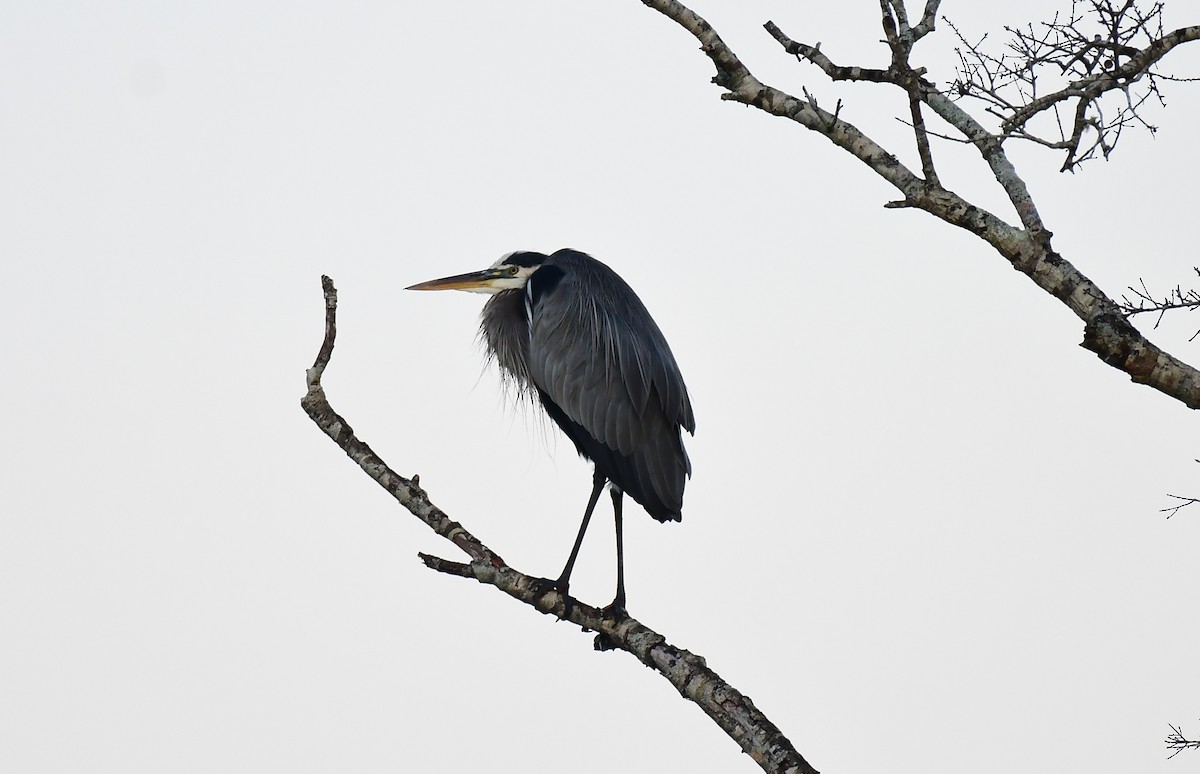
{"points": [[1049, 82], [1177, 742], [1139, 300]]}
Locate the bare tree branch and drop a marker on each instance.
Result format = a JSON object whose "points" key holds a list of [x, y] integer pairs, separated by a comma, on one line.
{"points": [[928, 19], [921, 135], [1028, 248], [687, 672], [900, 38], [900, 74]]}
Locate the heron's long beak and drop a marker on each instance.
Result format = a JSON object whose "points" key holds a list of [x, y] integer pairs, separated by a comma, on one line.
{"points": [[475, 280]]}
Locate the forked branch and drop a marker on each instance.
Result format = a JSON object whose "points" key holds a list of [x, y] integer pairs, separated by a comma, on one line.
{"points": [[1027, 247], [1181, 502], [687, 672]]}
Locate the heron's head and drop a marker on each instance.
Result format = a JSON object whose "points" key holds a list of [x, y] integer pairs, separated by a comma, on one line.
{"points": [[511, 272]]}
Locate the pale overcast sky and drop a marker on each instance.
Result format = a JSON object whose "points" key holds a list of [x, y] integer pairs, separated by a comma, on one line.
{"points": [[923, 530]]}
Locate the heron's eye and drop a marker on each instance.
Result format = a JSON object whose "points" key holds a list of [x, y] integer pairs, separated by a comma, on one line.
{"points": [[513, 270]]}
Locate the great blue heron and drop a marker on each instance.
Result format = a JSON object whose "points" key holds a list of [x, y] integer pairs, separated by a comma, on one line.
{"points": [[566, 329]]}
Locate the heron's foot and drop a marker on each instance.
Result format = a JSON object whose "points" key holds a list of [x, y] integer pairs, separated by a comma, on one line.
{"points": [[561, 587], [603, 642], [615, 609]]}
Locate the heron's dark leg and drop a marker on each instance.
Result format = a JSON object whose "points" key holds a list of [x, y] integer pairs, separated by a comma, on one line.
{"points": [[564, 580], [617, 608]]}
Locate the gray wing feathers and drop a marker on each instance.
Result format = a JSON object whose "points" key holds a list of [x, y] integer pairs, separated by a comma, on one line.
{"points": [[602, 359]]}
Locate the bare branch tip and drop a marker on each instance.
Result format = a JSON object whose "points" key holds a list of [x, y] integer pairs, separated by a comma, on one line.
{"points": [[446, 566]]}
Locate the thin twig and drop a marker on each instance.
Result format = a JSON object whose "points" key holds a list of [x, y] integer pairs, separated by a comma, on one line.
{"points": [[1143, 301], [1174, 509]]}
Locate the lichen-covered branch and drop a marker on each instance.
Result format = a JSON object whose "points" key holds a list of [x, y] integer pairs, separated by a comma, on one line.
{"points": [[902, 75], [901, 38], [742, 86], [1028, 248], [406, 491], [687, 672], [928, 19]]}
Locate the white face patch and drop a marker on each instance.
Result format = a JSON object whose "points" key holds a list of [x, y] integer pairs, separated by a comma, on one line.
{"points": [[509, 279]]}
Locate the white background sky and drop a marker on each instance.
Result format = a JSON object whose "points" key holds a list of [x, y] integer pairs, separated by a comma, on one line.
{"points": [[922, 532]]}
